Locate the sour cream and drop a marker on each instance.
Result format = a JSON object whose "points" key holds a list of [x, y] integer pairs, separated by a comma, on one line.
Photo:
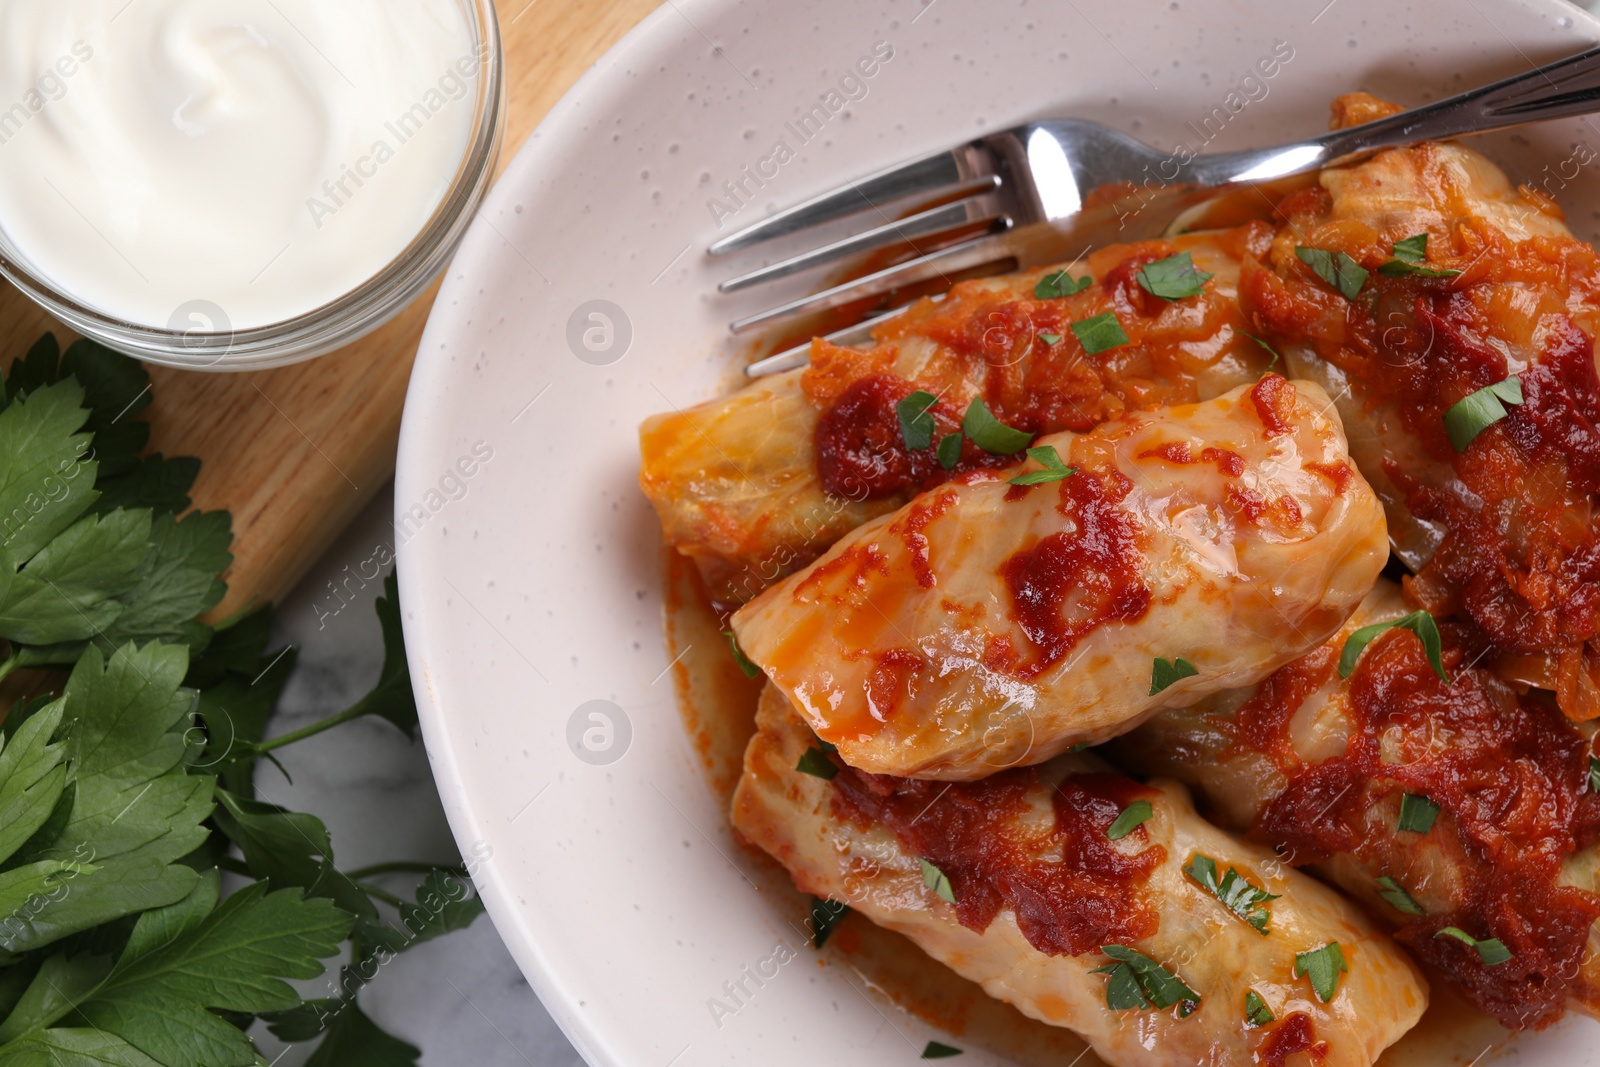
{"points": [[253, 158]]}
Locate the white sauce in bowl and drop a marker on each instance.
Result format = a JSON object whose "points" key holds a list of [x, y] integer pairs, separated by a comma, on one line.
{"points": [[260, 157]]}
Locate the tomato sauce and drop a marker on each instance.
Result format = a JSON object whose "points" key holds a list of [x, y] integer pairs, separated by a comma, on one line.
{"points": [[1094, 895], [1019, 354], [1509, 774], [1297, 1033], [1228, 462], [1520, 556], [1073, 581]]}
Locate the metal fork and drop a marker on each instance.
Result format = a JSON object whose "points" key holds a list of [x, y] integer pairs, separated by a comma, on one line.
{"points": [[1029, 189]]}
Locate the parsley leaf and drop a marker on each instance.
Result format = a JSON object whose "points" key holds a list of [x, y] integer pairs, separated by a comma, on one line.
{"points": [[1163, 674], [935, 879], [916, 419], [750, 669], [1409, 257], [392, 699], [1099, 333], [1417, 813], [1476, 412], [1492, 951], [1054, 469], [1256, 1012], [825, 915], [989, 433], [1335, 268], [33, 778], [1323, 966], [1594, 775], [938, 1051], [1418, 622], [1397, 897], [1137, 981], [1130, 819], [231, 960], [1413, 249], [354, 1040], [949, 451], [1059, 283], [1247, 901], [288, 849], [1173, 278], [814, 761], [135, 810]]}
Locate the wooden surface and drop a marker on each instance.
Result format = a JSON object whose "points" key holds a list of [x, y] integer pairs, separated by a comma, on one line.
{"points": [[296, 452]]}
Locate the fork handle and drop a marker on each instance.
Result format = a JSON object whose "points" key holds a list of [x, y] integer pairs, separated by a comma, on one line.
{"points": [[1566, 87]]}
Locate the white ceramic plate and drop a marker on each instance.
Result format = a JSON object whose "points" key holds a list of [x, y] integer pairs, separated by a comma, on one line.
{"points": [[529, 558]]}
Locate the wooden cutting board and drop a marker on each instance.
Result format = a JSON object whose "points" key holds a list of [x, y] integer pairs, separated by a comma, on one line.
{"points": [[296, 452]]}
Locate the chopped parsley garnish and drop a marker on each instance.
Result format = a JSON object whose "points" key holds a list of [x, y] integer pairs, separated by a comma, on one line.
{"points": [[750, 669], [1059, 283], [1323, 966], [989, 433], [1269, 348], [1256, 1012], [1335, 268], [1137, 981], [1054, 469], [1418, 622], [1173, 278], [1397, 897], [1132, 817], [939, 1051], [1594, 775], [935, 879], [1050, 338], [1475, 413], [1247, 901], [827, 746], [1492, 951], [1163, 674], [1417, 813], [949, 451], [815, 762], [916, 419], [1099, 333], [1409, 257], [825, 915]]}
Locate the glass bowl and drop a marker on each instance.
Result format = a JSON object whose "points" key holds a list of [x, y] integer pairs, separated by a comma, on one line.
{"points": [[207, 344]]}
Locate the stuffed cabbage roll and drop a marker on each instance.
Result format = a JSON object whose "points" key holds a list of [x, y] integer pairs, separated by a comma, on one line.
{"points": [[1164, 555], [1088, 901], [1452, 317], [1458, 809], [755, 485]]}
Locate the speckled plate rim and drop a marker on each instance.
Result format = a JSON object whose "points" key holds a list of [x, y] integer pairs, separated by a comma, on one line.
{"points": [[527, 558]]}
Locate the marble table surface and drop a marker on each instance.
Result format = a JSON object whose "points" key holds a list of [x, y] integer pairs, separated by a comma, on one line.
{"points": [[460, 998]]}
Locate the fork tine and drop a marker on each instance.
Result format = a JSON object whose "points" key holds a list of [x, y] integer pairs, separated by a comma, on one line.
{"points": [[929, 174], [977, 252], [800, 354], [932, 221]]}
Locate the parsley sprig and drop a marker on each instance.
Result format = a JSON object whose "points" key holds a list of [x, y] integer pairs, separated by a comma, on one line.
{"points": [[1418, 622], [1410, 255], [129, 788], [1476, 412], [1491, 950], [1234, 891], [1136, 981], [1322, 966]]}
